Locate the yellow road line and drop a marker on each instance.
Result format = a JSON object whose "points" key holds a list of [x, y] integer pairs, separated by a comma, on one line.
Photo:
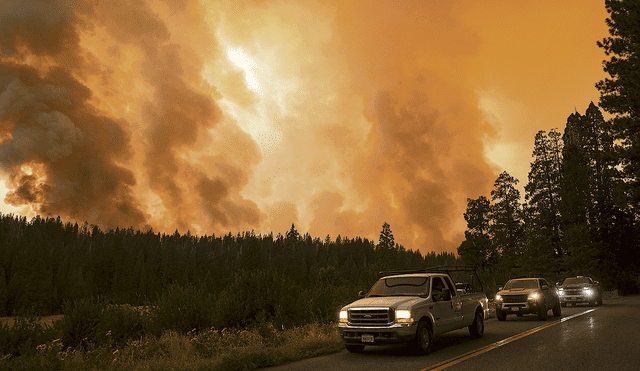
{"points": [[477, 352]]}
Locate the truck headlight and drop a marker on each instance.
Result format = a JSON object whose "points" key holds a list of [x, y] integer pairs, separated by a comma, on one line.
{"points": [[587, 291], [533, 296], [404, 316], [498, 297], [344, 317]]}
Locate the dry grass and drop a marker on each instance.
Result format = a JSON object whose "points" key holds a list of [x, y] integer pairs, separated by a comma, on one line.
{"points": [[223, 350], [48, 320]]}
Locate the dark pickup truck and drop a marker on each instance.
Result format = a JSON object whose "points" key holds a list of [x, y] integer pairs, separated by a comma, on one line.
{"points": [[580, 289], [527, 295]]}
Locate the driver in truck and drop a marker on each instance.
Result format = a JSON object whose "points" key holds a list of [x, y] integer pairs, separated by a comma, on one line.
{"points": [[438, 290]]}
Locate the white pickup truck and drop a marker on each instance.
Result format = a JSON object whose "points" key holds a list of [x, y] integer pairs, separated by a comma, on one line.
{"points": [[411, 307]]}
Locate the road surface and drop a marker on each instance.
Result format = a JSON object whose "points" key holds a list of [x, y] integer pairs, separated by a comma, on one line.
{"points": [[606, 337]]}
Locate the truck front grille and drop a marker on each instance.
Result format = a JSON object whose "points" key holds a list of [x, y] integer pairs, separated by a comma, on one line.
{"points": [[514, 298], [371, 316], [573, 292]]}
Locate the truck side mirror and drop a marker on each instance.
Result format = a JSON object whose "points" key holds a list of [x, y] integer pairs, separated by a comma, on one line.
{"points": [[545, 287], [361, 294], [500, 288]]}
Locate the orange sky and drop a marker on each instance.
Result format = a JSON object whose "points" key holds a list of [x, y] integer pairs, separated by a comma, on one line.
{"points": [[229, 116]]}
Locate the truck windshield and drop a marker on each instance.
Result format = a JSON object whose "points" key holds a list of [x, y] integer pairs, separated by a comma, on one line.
{"points": [[521, 284], [400, 286], [575, 281]]}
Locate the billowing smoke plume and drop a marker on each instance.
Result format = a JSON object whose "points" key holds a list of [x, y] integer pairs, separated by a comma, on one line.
{"points": [[218, 116]]}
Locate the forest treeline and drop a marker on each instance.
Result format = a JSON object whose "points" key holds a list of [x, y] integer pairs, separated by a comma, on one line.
{"points": [[289, 279], [581, 208]]}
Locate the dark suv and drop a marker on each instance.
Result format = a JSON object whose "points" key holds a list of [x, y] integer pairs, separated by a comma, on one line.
{"points": [[580, 289], [527, 295]]}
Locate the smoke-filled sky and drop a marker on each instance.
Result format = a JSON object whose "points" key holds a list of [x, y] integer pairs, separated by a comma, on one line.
{"points": [[229, 116]]}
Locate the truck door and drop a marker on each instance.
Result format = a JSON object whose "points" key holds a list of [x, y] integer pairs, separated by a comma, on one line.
{"points": [[447, 310], [549, 298]]}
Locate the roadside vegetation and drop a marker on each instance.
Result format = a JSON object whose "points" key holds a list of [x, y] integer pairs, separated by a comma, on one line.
{"points": [[98, 336], [126, 299]]}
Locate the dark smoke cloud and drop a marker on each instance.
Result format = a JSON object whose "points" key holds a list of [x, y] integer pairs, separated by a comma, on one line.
{"points": [[106, 117], [66, 154], [342, 115]]}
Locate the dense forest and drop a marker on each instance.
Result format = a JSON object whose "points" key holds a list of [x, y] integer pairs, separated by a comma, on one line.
{"points": [[579, 216], [581, 208], [291, 279]]}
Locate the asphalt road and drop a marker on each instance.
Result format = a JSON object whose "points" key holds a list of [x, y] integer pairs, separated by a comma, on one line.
{"points": [[606, 337]]}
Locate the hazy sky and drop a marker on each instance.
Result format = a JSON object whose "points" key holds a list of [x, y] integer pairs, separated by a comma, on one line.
{"points": [[231, 116]]}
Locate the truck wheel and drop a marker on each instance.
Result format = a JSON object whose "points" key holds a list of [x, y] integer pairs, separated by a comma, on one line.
{"points": [[354, 348], [477, 327], [424, 337], [557, 310], [501, 315], [600, 301], [542, 312]]}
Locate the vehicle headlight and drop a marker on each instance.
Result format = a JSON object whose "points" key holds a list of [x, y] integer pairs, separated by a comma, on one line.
{"points": [[498, 297], [534, 296], [404, 316], [587, 291], [344, 317]]}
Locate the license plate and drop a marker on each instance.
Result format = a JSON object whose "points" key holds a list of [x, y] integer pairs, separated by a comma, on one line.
{"points": [[515, 309], [367, 338]]}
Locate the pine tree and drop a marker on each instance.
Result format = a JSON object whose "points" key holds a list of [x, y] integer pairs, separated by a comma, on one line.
{"points": [[543, 251], [620, 94], [476, 249], [595, 218], [506, 214], [386, 248]]}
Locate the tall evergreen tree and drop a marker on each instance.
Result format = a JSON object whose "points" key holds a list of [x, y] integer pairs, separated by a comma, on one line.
{"points": [[477, 249], [386, 240], [620, 93], [542, 250], [386, 248], [506, 227], [596, 220]]}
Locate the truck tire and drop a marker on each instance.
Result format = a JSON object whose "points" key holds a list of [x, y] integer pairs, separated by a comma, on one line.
{"points": [[354, 348], [542, 312], [476, 329], [501, 315], [424, 338], [557, 310]]}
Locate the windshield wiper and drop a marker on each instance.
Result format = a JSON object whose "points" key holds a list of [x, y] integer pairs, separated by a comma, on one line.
{"points": [[405, 295]]}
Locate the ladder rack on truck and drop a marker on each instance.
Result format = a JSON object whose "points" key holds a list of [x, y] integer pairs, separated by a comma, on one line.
{"points": [[452, 270]]}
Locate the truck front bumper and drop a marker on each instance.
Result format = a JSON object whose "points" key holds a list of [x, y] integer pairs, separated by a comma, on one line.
{"points": [[520, 308], [368, 335], [576, 299]]}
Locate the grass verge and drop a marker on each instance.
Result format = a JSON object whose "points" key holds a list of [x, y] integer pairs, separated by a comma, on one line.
{"points": [[224, 350]]}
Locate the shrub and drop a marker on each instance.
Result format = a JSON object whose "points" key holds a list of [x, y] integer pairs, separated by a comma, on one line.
{"points": [[22, 338], [183, 309], [80, 321], [119, 324]]}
